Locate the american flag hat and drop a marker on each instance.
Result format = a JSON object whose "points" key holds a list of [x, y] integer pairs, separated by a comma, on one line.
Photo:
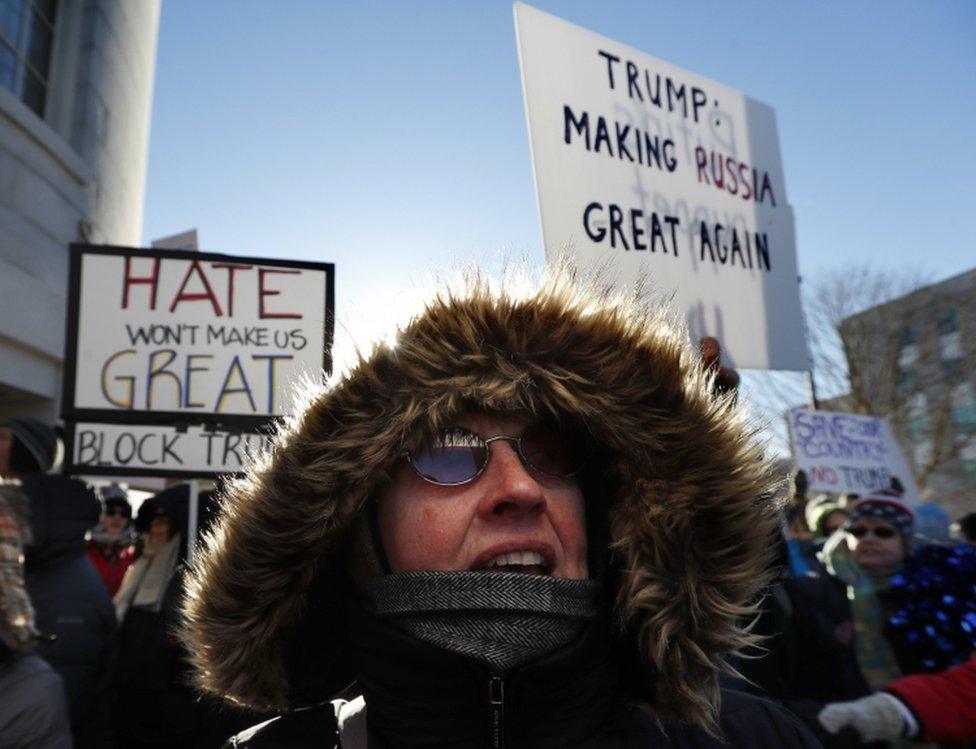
{"points": [[887, 505]]}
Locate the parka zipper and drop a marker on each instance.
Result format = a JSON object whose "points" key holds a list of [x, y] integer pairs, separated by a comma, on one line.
{"points": [[496, 704]]}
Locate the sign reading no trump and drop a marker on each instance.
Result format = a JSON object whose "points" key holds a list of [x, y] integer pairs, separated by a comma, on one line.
{"points": [[644, 170], [843, 452]]}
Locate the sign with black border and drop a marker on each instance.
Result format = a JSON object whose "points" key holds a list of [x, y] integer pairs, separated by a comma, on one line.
{"points": [[160, 449], [188, 341]]}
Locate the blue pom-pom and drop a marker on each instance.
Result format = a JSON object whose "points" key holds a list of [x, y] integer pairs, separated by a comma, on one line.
{"points": [[933, 600]]}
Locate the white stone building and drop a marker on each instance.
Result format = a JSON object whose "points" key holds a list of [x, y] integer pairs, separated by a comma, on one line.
{"points": [[76, 80]]}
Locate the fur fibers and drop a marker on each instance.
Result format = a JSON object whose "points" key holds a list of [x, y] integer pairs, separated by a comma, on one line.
{"points": [[690, 505]]}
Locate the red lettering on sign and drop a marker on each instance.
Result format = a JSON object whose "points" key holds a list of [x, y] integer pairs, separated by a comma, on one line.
{"points": [[208, 294], [265, 292], [823, 475], [231, 269], [152, 280]]}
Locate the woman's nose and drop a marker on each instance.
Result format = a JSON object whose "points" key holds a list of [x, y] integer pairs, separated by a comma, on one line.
{"points": [[511, 490]]}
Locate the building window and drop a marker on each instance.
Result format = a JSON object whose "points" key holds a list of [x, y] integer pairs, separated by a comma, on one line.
{"points": [[948, 322], [908, 355], [906, 334], [951, 366], [963, 394], [26, 39], [965, 418], [922, 453], [950, 346], [918, 404], [917, 426], [906, 380]]}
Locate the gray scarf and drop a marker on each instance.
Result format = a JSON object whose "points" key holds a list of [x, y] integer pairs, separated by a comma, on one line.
{"points": [[503, 619]]}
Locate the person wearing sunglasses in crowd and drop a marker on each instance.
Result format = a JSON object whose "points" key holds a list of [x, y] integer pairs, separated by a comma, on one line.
{"points": [[527, 522], [112, 546], [855, 598]]}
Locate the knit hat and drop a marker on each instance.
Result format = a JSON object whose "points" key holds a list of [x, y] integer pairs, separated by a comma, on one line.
{"points": [[887, 505], [818, 510], [38, 438], [115, 496]]}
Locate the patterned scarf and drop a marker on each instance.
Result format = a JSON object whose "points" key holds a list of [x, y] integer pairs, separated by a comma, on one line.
{"points": [[503, 619], [874, 654]]}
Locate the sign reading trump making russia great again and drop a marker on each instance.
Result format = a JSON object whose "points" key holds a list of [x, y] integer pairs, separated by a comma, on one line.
{"points": [[651, 172]]}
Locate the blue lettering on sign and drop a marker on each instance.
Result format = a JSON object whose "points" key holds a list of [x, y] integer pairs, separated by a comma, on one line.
{"points": [[839, 436]]}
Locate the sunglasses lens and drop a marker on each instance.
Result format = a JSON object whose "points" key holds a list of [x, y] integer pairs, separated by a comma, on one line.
{"points": [[879, 532], [549, 452], [455, 456]]}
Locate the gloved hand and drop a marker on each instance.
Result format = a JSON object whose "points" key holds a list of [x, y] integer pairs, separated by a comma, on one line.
{"points": [[876, 718]]}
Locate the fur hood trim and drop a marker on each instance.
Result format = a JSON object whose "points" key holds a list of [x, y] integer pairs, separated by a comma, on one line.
{"points": [[689, 494]]}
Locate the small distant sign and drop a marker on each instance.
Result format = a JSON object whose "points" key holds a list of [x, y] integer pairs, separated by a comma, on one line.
{"points": [[187, 240], [842, 452]]}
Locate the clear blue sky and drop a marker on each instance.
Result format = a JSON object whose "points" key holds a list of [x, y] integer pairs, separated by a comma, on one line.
{"points": [[390, 137]]}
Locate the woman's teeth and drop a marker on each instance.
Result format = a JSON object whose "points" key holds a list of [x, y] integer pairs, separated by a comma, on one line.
{"points": [[516, 559]]}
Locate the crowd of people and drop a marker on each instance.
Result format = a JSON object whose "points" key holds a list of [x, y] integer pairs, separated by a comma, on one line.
{"points": [[89, 594], [532, 521], [872, 596]]}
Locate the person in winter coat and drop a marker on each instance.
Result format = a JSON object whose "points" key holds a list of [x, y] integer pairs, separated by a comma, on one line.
{"points": [[154, 705], [925, 707], [525, 523], [825, 516], [74, 613], [112, 545], [33, 706], [862, 563]]}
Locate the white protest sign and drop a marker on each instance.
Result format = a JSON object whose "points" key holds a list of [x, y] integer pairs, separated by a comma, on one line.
{"points": [[123, 449], [192, 337], [843, 452], [644, 170]]}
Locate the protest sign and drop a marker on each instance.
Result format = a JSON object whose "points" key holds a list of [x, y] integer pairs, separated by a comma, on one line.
{"points": [[843, 452], [159, 450], [647, 171], [157, 336], [183, 350]]}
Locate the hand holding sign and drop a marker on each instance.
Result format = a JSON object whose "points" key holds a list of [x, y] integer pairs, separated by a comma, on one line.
{"points": [[726, 378]]}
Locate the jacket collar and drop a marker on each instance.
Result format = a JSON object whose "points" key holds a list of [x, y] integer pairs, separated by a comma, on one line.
{"points": [[418, 695]]}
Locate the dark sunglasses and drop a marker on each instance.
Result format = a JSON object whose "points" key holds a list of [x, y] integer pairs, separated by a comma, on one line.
{"points": [[116, 512], [859, 531], [458, 456]]}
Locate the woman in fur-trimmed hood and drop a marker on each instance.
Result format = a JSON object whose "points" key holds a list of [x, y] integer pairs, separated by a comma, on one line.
{"points": [[371, 545]]}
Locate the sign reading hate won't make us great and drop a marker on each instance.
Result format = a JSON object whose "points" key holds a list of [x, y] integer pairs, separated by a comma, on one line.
{"points": [[654, 173], [166, 335]]}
